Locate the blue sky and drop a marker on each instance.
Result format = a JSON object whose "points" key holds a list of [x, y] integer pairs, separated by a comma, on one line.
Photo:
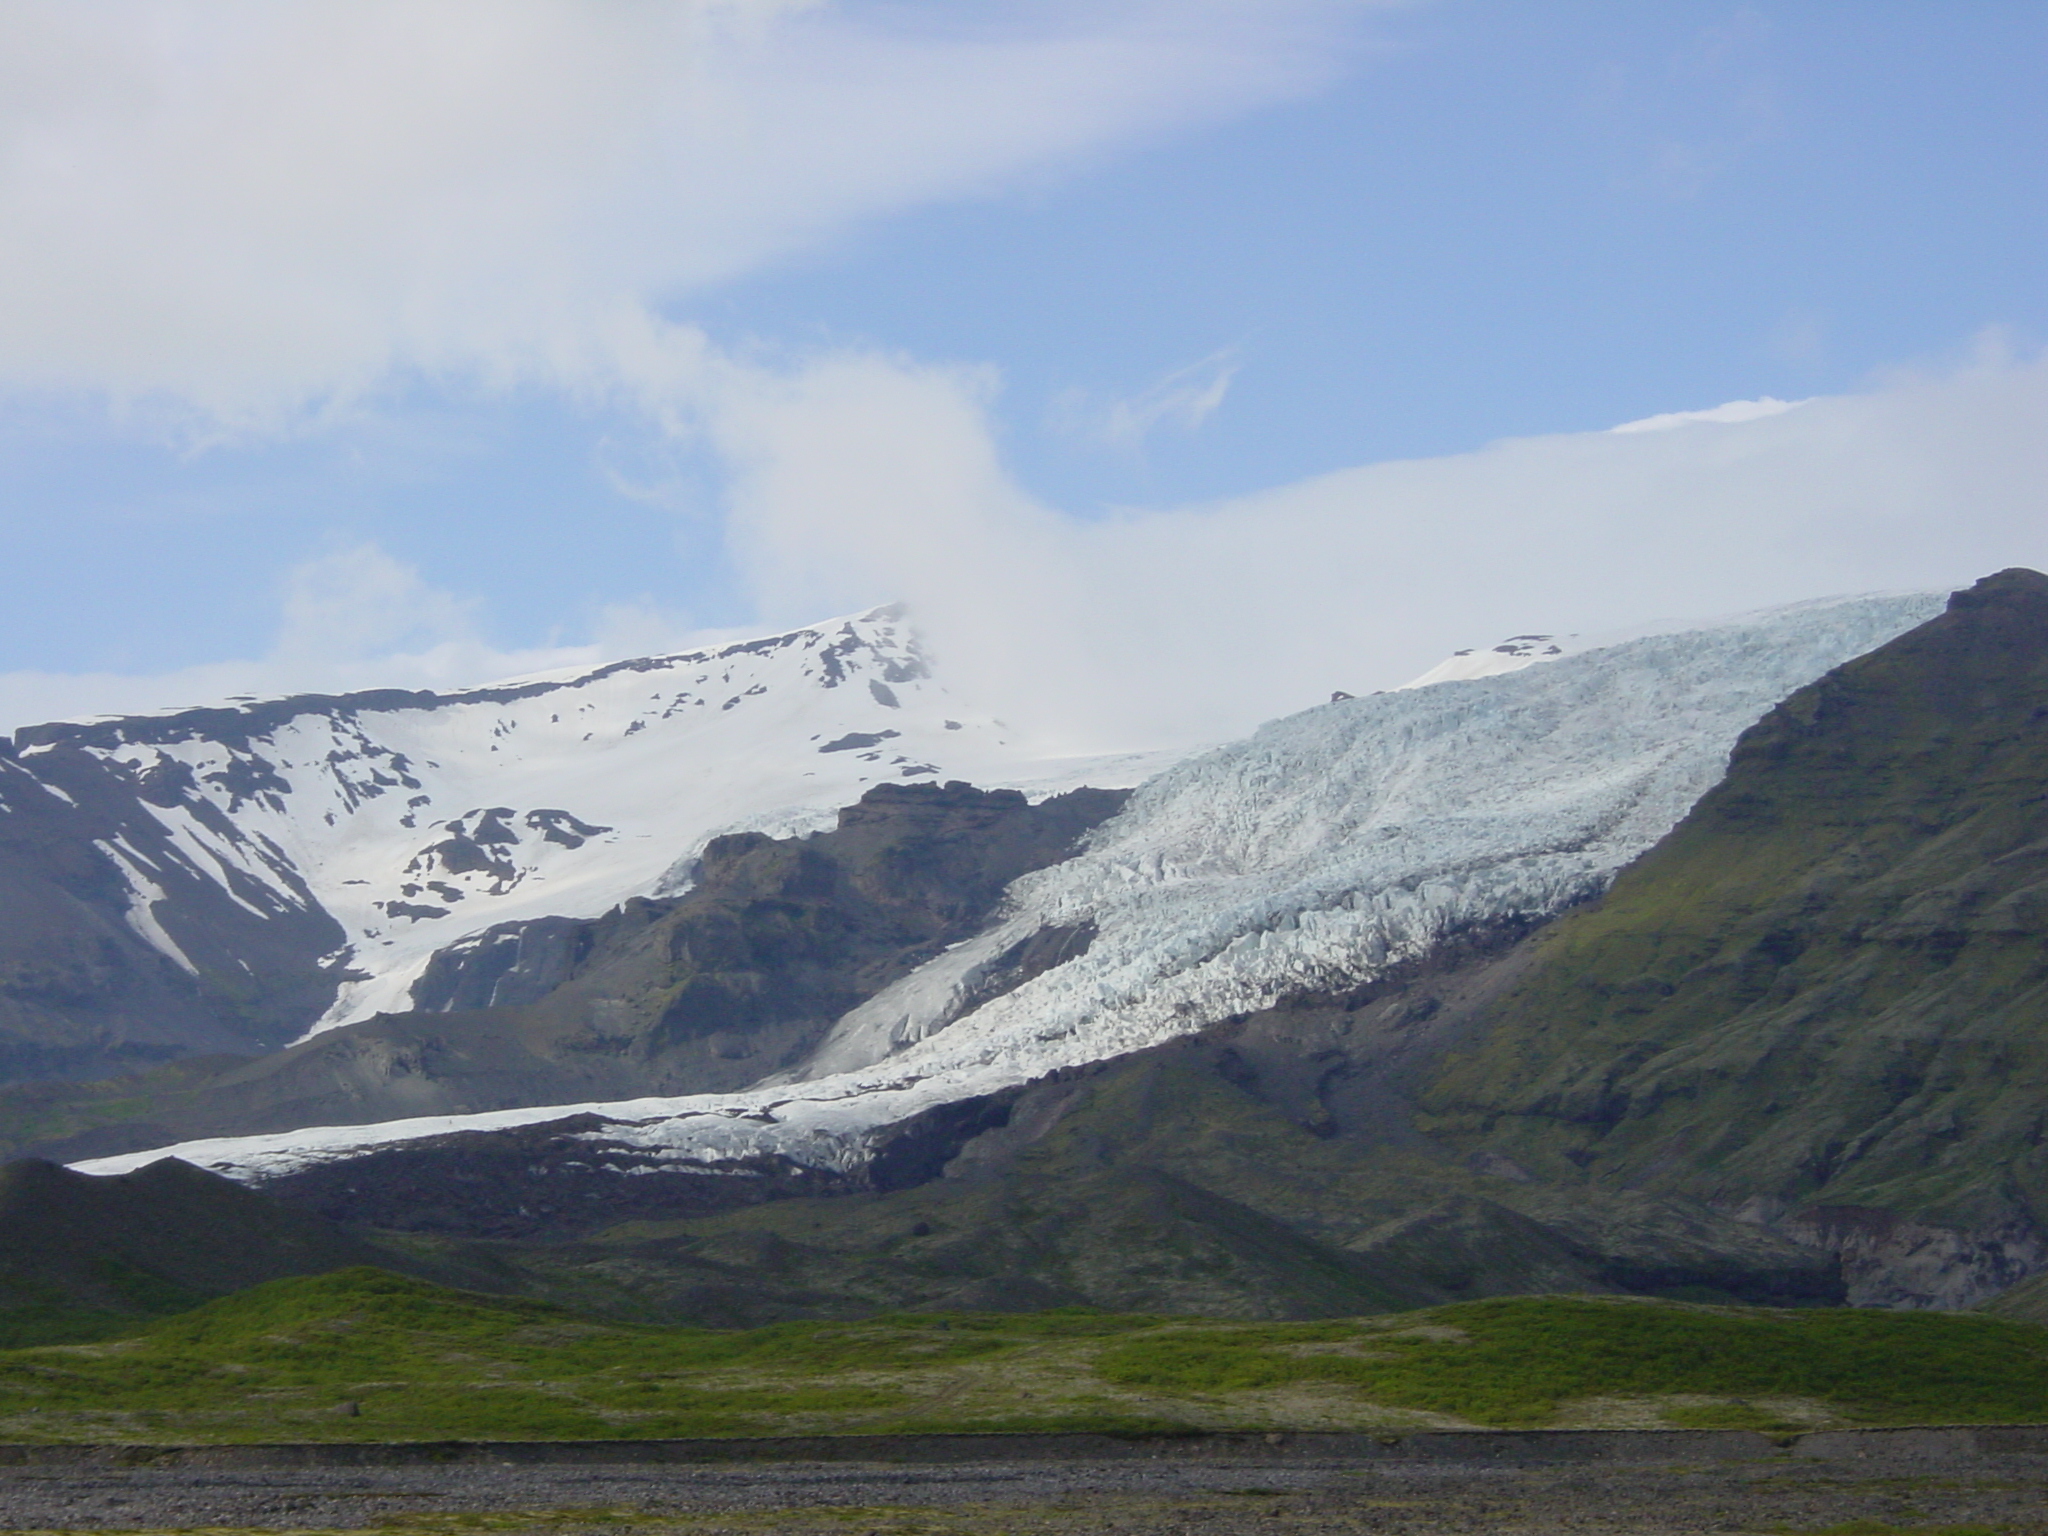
{"points": [[345, 342]]}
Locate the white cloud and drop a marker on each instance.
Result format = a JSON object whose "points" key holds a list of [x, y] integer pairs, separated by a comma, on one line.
{"points": [[246, 208], [359, 603], [858, 478], [1184, 398], [861, 478], [1733, 411], [352, 619]]}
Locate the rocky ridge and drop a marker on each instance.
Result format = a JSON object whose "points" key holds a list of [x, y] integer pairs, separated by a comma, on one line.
{"points": [[741, 977]]}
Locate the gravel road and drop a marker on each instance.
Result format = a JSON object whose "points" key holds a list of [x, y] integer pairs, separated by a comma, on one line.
{"points": [[2007, 1493]]}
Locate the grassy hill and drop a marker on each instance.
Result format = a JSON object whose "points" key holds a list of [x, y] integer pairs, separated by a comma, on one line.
{"points": [[82, 1257], [367, 1355]]}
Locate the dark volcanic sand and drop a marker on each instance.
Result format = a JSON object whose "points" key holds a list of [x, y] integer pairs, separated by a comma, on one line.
{"points": [[1210, 1499]]}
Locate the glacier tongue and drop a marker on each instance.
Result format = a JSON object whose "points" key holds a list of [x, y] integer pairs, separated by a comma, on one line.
{"points": [[1337, 842], [1324, 848]]}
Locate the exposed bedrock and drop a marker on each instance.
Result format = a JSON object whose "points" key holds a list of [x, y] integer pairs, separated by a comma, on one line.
{"points": [[568, 1179], [729, 983], [86, 871]]}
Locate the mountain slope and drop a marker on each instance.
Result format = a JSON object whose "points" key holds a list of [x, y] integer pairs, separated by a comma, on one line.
{"points": [[1173, 1181], [225, 879], [738, 978], [76, 1249], [88, 982], [1823, 999]]}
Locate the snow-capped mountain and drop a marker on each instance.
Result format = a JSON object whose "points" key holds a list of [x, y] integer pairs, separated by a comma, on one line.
{"points": [[412, 820], [1326, 848]]}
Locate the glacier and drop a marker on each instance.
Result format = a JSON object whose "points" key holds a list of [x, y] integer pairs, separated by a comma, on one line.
{"points": [[1325, 848], [417, 820]]}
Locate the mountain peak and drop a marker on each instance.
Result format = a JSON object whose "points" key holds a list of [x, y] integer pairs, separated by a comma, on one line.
{"points": [[396, 822]]}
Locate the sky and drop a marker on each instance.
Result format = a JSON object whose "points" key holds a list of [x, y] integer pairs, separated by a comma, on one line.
{"points": [[1177, 362]]}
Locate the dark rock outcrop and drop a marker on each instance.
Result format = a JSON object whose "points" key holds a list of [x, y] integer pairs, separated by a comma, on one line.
{"points": [[82, 993], [539, 1183], [713, 990]]}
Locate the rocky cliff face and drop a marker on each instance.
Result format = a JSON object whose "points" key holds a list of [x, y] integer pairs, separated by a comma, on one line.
{"points": [[90, 983], [738, 979]]}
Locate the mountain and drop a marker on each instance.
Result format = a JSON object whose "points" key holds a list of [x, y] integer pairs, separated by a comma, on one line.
{"points": [[1704, 965], [1822, 1002], [225, 880], [1319, 853], [1795, 1054], [89, 980], [739, 978]]}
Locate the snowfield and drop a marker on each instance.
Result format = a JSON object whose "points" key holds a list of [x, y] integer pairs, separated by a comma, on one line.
{"points": [[418, 819], [1321, 850]]}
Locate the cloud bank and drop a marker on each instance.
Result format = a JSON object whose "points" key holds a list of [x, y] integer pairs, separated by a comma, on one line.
{"points": [[351, 619], [242, 209], [858, 478], [866, 475]]}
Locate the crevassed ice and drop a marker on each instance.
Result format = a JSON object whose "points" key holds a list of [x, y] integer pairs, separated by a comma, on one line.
{"points": [[1324, 848]]}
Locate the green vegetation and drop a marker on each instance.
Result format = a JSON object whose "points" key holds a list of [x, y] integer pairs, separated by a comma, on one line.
{"points": [[45, 1315], [2026, 1302], [40, 1313], [1828, 984], [39, 1113], [367, 1355], [1520, 1361], [83, 1258]]}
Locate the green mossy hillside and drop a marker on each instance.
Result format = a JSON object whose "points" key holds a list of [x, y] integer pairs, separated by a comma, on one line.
{"points": [[1161, 1185], [367, 1355], [2026, 1302], [1829, 985]]}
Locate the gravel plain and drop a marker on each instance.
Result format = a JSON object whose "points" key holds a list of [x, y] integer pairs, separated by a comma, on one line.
{"points": [[1050, 1498]]}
